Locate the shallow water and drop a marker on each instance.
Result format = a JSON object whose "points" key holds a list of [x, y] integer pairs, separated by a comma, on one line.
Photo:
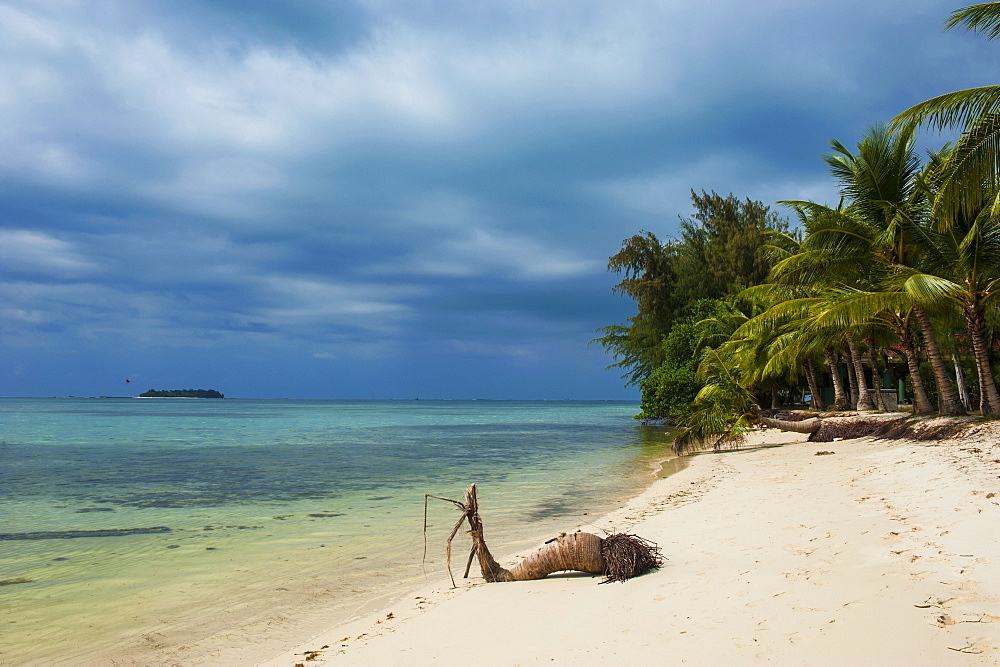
{"points": [[172, 529]]}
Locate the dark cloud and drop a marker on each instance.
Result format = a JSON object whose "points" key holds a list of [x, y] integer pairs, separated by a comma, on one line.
{"points": [[377, 198]]}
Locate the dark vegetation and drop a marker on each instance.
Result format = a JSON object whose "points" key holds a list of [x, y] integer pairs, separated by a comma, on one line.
{"points": [[181, 393]]}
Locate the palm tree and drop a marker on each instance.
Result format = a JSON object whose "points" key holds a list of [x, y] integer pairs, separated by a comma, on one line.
{"points": [[972, 167], [880, 234], [963, 267], [893, 311]]}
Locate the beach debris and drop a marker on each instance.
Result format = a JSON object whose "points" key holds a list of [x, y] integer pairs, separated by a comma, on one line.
{"points": [[311, 656], [618, 557], [824, 452]]}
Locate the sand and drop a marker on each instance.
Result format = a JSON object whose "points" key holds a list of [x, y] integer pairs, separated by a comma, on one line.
{"points": [[881, 552]]}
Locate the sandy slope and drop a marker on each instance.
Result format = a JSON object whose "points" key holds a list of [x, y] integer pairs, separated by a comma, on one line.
{"points": [[880, 553]]}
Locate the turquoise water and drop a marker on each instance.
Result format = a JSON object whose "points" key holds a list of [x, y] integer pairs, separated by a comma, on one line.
{"points": [[167, 529]]}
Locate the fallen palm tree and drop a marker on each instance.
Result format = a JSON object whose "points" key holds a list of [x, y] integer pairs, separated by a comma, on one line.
{"points": [[810, 425], [846, 426], [618, 557], [891, 427]]}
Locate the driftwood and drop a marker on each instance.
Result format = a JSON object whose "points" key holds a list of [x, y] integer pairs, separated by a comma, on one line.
{"points": [[618, 557]]}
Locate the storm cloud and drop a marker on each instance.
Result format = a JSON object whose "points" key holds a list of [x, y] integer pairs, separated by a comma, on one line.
{"points": [[399, 199]]}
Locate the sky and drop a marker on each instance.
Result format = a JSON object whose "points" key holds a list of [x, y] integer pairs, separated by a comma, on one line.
{"points": [[401, 198]]}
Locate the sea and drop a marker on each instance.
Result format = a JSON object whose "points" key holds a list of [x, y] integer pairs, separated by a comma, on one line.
{"points": [[153, 531]]}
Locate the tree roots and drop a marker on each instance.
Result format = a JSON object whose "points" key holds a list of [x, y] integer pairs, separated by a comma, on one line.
{"points": [[627, 556]]}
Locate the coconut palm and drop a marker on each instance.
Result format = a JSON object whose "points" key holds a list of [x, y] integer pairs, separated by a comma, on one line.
{"points": [[764, 349], [972, 168], [724, 410], [845, 254], [963, 267], [894, 311], [881, 233]]}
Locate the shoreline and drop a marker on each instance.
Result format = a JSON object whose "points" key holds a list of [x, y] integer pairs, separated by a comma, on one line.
{"points": [[882, 551], [324, 515]]}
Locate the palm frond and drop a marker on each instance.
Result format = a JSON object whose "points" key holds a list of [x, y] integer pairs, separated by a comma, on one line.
{"points": [[971, 169], [925, 287], [983, 18], [849, 308], [951, 110]]}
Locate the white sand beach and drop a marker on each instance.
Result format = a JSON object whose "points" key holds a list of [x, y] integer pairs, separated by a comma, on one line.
{"points": [[879, 552]]}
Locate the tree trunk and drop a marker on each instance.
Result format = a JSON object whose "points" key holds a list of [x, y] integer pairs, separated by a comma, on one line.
{"points": [[840, 399], [989, 398], [950, 404], [775, 400], [876, 376], [804, 426], [921, 403], [817, 402], [864, 397], [618, 557], [852, 380], [963, 390]]}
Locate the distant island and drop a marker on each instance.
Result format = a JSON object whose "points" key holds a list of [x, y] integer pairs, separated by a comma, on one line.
{"points": [[181, 393]]}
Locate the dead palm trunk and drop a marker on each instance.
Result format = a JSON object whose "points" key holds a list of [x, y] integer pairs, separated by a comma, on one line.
{"points": [[963, 389], [989, 397], [950, 404], [618, 557], [864, 398], [840, 398]]}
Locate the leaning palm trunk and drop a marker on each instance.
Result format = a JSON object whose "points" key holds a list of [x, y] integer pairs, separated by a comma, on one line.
{"points": [[864, 397], [989, 397], [950, 404], [921, 403], [816, 402], [618, 557], [804, 426], [840, 398]]}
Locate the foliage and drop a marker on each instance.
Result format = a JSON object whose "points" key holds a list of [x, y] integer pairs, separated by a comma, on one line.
{"points": [[971, 169], [721, 251], [181, 393], [909, 261], [724, 409], [722, 247], [672, 386], [667, 392]]}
